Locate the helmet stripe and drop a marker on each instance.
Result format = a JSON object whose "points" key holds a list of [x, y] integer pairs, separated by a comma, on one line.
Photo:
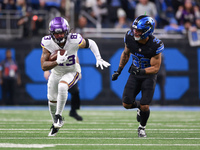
{"points": [[139, 18]]}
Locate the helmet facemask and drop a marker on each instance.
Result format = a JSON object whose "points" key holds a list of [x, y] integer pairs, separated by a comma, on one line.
{"points": [[59, 40], [135, 31]]}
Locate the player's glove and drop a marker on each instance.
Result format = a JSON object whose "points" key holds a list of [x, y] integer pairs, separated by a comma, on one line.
{"points": [[100, 62], [61, 58], [116, 74], [136, 71]]}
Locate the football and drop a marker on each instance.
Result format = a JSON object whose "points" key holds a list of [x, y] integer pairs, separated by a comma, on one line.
{"points": [[53, 55]]}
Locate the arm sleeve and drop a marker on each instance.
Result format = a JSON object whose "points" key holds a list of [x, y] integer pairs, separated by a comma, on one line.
{"points": [[94, 48]]}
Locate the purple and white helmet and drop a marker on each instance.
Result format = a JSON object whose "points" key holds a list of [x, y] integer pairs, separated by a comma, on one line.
{"points": [[59, 25]]}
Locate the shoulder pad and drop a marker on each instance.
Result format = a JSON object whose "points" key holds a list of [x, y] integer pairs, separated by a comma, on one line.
{"points": [[46, 40], [160, 48], [74, 38], [128, 33]]}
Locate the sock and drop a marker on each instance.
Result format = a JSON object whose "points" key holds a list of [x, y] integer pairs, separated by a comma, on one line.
{"points": [[144, 116], [62, 97], [143, 127], [52, 109]]}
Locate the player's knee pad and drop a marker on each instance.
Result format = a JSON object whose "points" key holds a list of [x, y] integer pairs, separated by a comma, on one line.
{"points": [[126, 100], [63, 90], [128, 103], [127, 106]]}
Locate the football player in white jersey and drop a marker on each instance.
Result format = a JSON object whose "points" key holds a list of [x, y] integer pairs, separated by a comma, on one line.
{"points": [[65, 71]]}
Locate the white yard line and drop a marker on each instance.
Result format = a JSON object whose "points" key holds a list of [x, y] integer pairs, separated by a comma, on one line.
{"points": [[26, 145], [53, 145], [100, 129], [125, 123], [85, 138]]}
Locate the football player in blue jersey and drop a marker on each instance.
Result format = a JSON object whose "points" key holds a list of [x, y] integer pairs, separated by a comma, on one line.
{"points": [[146, 52]]}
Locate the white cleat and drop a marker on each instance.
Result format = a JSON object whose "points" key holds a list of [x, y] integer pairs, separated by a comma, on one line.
{"points": [[53, 131], [58, 123], [141, 132]]}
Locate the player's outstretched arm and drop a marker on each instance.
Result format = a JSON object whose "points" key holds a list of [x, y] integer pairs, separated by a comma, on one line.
{"points": [[123, 60], [88, 43]]}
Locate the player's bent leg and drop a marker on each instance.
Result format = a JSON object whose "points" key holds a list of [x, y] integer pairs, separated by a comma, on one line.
{"points": [[135, 104], [144, 116], [52, 109], [61, 101], [127, 106]]}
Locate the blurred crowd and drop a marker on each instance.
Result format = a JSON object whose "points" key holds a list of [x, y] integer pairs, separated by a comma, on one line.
{"points": [[171, 15], [33, 14]]}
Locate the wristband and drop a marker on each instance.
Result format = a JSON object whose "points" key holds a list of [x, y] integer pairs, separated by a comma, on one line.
{"points": [[119, 70]]}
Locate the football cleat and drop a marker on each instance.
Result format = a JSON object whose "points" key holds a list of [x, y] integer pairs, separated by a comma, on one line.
{"points": [[141, 132], [53, 131], [58, 122], [138, 115], [74, 115]]}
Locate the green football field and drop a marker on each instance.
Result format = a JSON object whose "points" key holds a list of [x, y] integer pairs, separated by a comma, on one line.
{"points": [[100, 130]]}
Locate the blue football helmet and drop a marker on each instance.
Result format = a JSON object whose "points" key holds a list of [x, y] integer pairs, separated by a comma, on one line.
{"points": [[144, 23], [59, 25]]}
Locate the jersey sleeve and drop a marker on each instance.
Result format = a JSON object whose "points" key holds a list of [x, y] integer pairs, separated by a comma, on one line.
{"points": [[46, 40], [75, 38], [128, 39], [80, 40], [160, 48], [157, 44], [42, 45], [127, 36]]}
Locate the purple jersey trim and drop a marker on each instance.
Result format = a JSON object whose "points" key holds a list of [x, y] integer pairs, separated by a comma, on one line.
{"points": [[80, 41], [74, 80], [42, 44]]}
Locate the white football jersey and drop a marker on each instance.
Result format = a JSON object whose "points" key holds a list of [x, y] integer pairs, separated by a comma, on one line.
{"points": [[72, 46]]}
